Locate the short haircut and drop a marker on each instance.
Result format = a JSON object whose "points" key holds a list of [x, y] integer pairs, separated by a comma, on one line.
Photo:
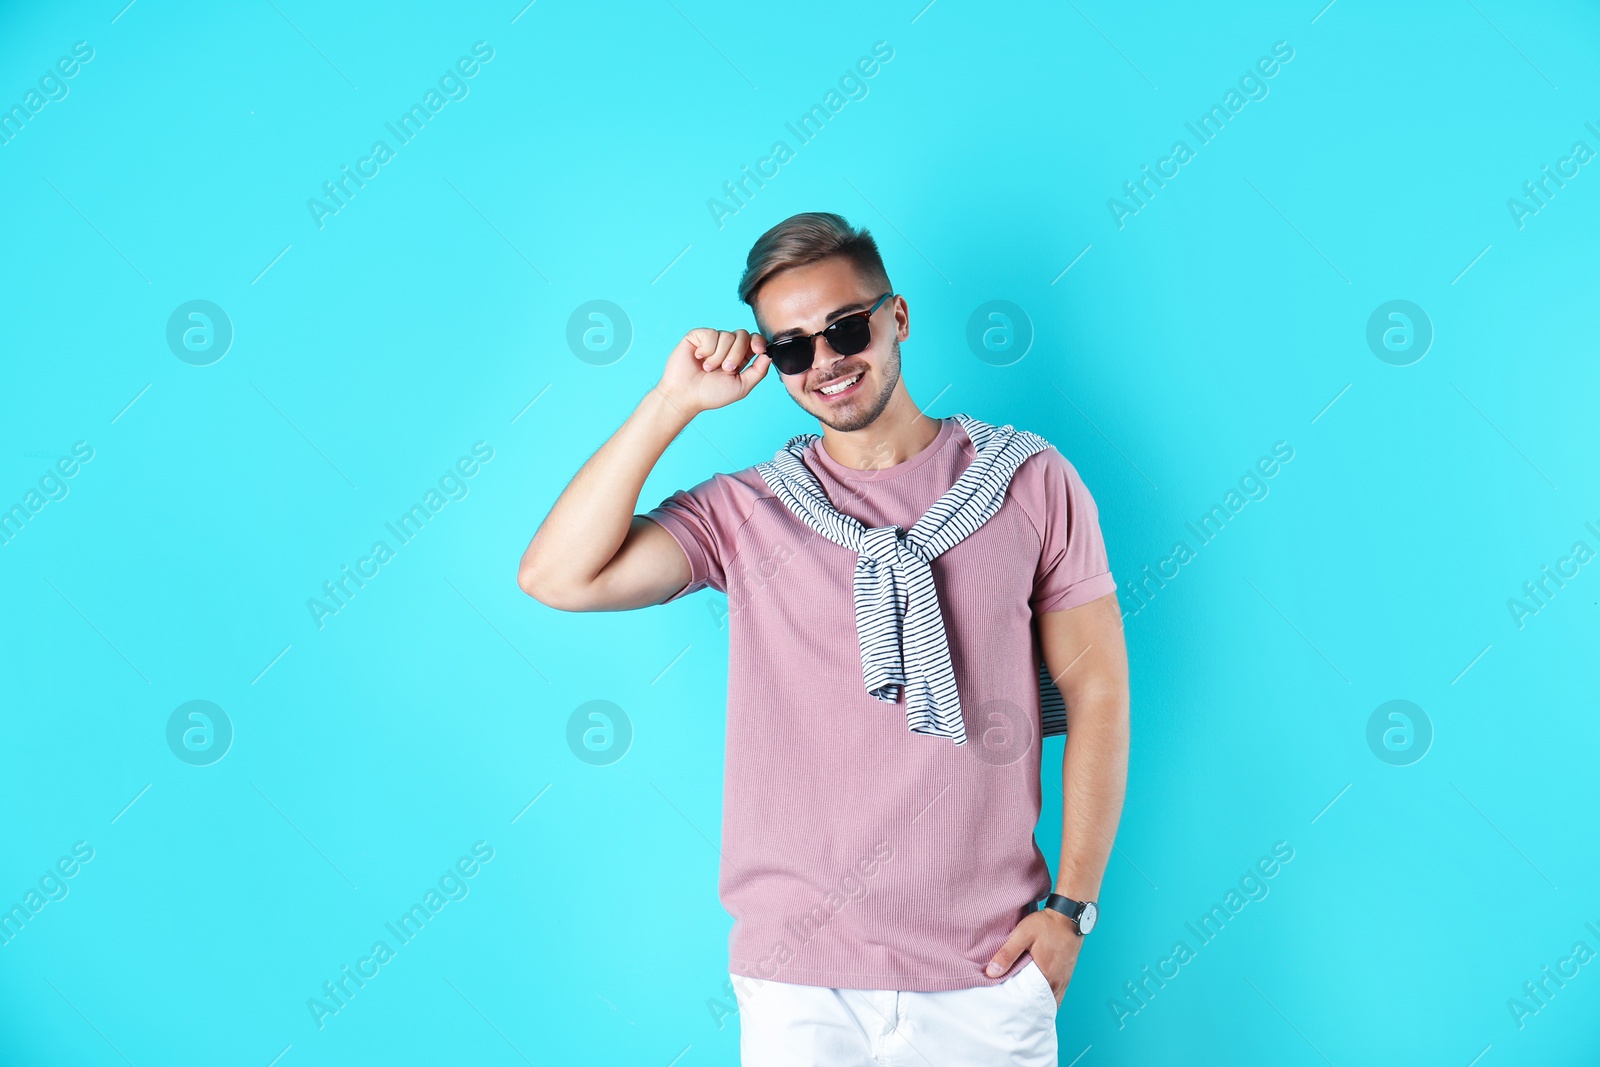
{"points": [[805, 238]]}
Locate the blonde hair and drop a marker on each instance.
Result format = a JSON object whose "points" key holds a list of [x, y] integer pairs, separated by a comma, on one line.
{"points": [[805, 238]]}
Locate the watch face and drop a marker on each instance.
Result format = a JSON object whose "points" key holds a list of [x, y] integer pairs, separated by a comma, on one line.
{"points": [[1087, 919]]}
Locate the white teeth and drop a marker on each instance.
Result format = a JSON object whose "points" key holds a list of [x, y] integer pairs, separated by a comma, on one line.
{"points": [[839, 387]]}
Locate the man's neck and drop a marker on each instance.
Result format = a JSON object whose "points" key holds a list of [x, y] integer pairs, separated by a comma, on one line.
{"points": [[896, 435]]}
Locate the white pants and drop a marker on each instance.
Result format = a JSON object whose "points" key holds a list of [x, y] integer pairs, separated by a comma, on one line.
{"points": [[1011, 1023]]}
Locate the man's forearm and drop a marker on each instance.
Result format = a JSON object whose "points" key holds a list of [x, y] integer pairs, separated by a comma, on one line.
{"points": [[1094, 774], [591, 517]]}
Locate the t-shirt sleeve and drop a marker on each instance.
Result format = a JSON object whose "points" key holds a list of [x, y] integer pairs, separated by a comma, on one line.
{"points": [[1073, 568], [704, 519]]}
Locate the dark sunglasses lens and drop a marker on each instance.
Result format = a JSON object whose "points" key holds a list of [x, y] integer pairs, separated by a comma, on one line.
{"points": [[791, 356], [849, 336]]}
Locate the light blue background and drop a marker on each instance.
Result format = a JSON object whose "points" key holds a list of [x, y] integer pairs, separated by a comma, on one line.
{"points": [[431, 312]]}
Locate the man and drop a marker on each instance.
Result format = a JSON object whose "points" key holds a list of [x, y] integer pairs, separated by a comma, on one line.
{"points": [[878, 851]]}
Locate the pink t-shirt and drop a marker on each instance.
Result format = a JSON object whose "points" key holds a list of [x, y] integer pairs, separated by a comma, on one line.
{"points": [[856, 854]]}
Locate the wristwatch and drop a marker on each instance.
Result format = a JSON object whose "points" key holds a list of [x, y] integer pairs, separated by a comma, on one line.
{"points": [[1083, 913]]}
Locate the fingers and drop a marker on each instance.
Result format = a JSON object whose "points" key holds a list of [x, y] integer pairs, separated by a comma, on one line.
{"points": [[733, 348], [720, 352], [701, 341], [741, 353], [1008, 952], [756, 371], [726, 350]]}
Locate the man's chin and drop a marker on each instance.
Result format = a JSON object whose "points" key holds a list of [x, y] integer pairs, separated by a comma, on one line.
{"points": [[846, 420]]}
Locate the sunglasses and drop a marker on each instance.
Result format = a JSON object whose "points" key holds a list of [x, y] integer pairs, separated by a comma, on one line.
{"points": [[846, 336]]}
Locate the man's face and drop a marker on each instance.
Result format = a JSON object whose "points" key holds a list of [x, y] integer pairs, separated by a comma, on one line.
{"points": [[805, 300]]}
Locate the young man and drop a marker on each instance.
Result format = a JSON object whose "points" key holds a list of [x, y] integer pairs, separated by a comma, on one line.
{"points": [[894, 588]]}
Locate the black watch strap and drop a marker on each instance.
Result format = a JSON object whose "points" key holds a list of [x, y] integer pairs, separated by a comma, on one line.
{"points": [[1074, 910]]}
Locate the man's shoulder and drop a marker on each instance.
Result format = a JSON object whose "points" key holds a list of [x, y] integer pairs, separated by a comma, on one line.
{"points": [[1044, 484], [735, 490], [747, 480], [1043, 463]]}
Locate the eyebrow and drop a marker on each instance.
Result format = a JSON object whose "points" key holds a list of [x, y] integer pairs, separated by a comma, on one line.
{"points": [[832, 315]]}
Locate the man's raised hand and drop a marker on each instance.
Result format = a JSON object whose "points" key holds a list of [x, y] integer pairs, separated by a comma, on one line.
{"points": [[710, 369]]}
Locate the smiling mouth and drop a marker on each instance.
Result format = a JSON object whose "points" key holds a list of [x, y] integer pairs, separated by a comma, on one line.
{"points": [[841, 385]]}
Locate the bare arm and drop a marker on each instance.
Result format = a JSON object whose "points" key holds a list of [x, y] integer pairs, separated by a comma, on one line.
{"points": [[592, 553], [1085, 654]]}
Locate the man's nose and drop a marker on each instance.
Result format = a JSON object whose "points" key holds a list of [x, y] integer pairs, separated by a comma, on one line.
{"points": [[828, 358]]}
